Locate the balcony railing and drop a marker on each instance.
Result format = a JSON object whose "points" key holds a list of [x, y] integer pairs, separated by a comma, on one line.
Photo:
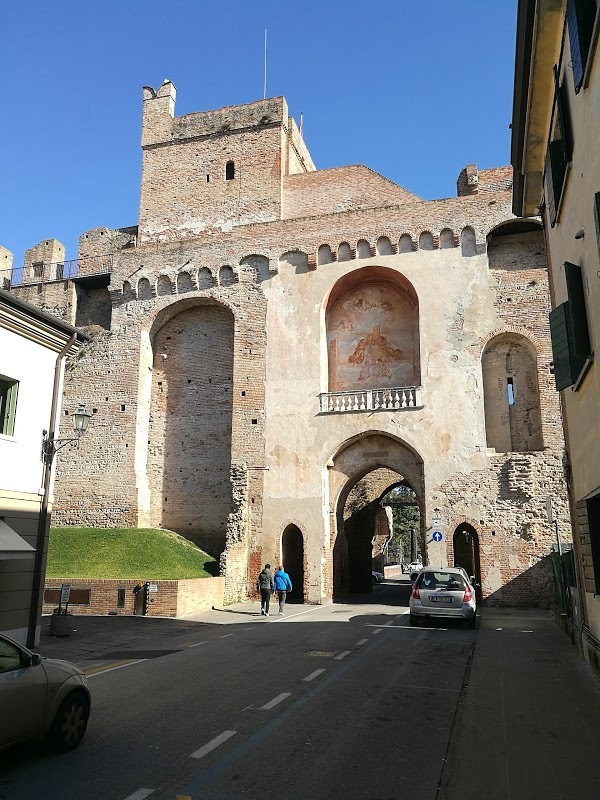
{"points": [[44, 272], [397, 398]]}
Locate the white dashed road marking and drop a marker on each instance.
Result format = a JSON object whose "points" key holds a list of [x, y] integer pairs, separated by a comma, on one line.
{"points": [[226, 635], [376, 631], [197, 643], [100, 671], [362, 641], [342, 655], [140, 794], [272, 703], [314, 674], [214, 743]]}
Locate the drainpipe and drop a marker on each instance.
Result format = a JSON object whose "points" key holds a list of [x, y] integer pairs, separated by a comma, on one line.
{"points": [[41, 532]]}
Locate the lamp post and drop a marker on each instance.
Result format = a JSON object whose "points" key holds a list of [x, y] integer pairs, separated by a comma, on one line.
{"points": [[50, 445]]}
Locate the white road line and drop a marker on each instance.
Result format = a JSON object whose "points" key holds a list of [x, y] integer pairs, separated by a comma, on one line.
{"points": [[140, 794], [210, 746], [342, 655], [376, 631], [226, 635], [112, 669], [275, 701], [314, 674], [284, 617], [197, 643], [362, 641], [250, 629]]}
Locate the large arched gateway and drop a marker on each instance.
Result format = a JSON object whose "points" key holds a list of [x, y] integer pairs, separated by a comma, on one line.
{"points": [[364, 470]]}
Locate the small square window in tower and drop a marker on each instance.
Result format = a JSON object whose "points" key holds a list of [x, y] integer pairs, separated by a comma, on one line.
{"points": [[229, 171]]}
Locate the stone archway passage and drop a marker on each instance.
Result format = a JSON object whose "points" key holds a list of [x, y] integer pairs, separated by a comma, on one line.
{"points": [[292, 551], [465, 543]]}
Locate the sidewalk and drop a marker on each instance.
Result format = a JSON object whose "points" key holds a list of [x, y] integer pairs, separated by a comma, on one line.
{"points": [[97, 640], [527, 727]]}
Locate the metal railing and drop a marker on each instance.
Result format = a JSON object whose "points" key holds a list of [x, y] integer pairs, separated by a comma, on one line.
{"points": [[45, 272], [371, 400]]}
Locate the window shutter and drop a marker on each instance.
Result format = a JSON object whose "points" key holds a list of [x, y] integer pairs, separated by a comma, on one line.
{"points": [[561, 349], [549, 188], [581, 15], [579, 326], [597, 217], [563, 121], [11, 409]]}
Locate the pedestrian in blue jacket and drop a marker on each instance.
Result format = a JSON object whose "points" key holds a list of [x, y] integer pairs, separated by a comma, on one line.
{"points": [[283, 585]]}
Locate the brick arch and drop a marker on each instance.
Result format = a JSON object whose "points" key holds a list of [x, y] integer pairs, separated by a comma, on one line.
{"points": [[354, 459], [517, 330]]}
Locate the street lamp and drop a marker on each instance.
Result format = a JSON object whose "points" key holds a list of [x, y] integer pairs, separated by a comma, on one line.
{"points": [[50, 445]]}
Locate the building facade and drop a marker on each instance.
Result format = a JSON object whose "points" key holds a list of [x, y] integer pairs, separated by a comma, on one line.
{"points": [[557, 169], [271, 338], [33, 346]]}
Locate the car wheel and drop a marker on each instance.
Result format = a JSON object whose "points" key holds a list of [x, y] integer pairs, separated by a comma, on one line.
{"points": [[414, 621], [69, 723]]}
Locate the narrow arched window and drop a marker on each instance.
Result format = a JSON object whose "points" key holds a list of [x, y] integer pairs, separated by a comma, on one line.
{"points": [[229, 171]]}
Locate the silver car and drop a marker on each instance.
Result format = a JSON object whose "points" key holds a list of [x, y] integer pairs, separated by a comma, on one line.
{"points": [[443, 592], [41, 698]]}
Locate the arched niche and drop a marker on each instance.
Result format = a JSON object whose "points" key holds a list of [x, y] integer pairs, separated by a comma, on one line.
{"points": [[517, 244], [446, 238], [226, 276], [363, 249], [128, 293], [468, 243], [384, 246], [205, 278], [324, 255], [344, 252], [185, 282], [297, 259], [190, 421], [405, 245], [164, 286], [513, 421], [254, 268], [426, 241], [144, 289], [372, 322]]}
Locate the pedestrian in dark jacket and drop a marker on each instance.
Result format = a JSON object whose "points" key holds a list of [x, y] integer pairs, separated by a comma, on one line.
{"points": [[266, 587], [283, 585]]}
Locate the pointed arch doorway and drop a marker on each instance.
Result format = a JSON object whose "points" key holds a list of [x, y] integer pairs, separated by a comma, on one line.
{"points": [[292, 554], [465, 544]]}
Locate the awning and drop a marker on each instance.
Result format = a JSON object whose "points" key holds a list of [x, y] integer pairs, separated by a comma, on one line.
{"points": [[12, 545]]}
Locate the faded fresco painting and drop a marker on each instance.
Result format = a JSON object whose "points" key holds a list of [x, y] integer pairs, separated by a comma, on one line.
{"points": [[373, 340]]}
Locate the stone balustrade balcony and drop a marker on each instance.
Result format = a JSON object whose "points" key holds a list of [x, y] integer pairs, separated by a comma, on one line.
{"points": [[393, 399]]}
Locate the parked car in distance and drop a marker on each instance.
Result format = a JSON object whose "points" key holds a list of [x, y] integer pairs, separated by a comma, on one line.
{"points": [[443, 592], [376, 577], [414, 566], [41, 698]]}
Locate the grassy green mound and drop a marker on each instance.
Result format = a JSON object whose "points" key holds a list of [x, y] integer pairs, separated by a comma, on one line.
{"points": [[146, 553]]}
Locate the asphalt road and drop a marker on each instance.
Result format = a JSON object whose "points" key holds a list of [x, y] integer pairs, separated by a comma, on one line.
{"points": [[328, 702]]}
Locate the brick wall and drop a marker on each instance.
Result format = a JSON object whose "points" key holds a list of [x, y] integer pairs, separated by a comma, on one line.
{"points": [[182, 598]]}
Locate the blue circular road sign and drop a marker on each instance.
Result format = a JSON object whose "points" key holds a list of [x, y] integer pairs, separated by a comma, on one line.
{"points": [[437, 536]]}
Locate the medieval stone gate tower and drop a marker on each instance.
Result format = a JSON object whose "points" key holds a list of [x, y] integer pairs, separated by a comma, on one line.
{"points": [[270, 335]]}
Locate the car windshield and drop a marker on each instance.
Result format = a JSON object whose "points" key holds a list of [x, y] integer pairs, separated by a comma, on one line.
{"points": [[450, 581]]}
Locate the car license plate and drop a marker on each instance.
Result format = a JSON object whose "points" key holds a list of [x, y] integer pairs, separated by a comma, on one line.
{"points": [[440, 598]]}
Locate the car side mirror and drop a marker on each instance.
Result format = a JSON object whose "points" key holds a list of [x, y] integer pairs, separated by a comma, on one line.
{"points": [[472, 579], [35, 660]]}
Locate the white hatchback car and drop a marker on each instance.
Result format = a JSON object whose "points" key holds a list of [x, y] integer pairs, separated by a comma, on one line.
{"points": [[41, 698], [443, 592]]}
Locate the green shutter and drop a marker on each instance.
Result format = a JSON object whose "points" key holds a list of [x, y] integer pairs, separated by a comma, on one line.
{"points": [[597, 217], [581, 15], [561, 347], [549, 189], [579, 325]]}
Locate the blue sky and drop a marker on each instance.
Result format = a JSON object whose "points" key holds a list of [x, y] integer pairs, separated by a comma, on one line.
{"points": [[412, 90]]}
